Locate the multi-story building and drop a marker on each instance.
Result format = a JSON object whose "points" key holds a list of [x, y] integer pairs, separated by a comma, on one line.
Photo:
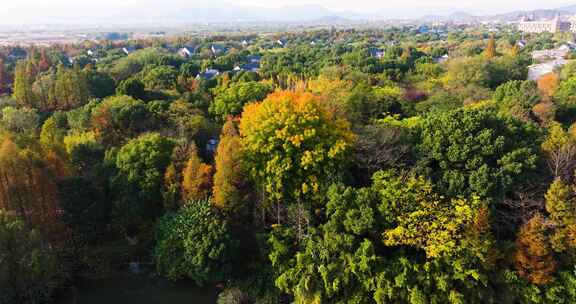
{"points": [[572, 21], [547, 26]]}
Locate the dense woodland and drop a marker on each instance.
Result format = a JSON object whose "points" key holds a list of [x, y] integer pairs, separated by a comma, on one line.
{"points": [[330, 175]]}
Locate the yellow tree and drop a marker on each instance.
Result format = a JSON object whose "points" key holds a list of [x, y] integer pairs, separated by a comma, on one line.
{"points": [[230, 179], [294, 145], [490, 51], [560, 207], [560, 149]]}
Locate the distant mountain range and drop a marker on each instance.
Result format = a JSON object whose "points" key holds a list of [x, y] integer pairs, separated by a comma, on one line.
{"points": [[309, 13], [511, 16], [220, 11]]}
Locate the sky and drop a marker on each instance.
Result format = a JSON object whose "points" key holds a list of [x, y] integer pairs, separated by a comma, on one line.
{"points": [[33, 11]]}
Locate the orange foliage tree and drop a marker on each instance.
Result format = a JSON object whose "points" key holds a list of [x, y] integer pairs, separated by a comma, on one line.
{"points": [[230, 179], [196, 178], [534, 258], [28, 188], [548, 85]]}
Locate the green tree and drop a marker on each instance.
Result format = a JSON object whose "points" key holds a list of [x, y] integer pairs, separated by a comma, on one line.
{"points": [[189, 69], [160, 78], [471, 151], [364, 103], [517, 98], [71, 88], [565, 100], [564, 95], [52, 134], [141, 166], [24, 76], [463, 72], [194, 243], [84, 149], [100, 85], [230, 100], [446, 258], [4, 78], [120, 117], [29, 271], [86, 208], [337, 261], [132, 87]]}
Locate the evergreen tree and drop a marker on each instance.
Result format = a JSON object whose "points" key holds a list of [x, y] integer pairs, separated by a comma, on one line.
{"points": [[4, 81], [71, 88], [23, 79]]}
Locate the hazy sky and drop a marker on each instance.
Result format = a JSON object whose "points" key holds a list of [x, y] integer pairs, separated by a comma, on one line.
{"points": [[24, 11]]}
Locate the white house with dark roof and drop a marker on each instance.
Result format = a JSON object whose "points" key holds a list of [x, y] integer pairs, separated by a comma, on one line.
{"points": [[217, 49], [128, 50], [377, 53], [250, 67], [187, 51], [521, 44], [208, 74], [442, 59], [254, 58]]}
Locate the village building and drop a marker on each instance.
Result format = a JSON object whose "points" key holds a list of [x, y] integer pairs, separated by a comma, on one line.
{"points": [[208, 74], [377, 53], [555, 25], [558, 53], [128, 50], [187, 51], [536, 71], [250, 67], [442, 59], [217, 49]]}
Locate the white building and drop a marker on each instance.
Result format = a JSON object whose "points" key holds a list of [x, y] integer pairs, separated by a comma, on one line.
{"points": [[536, 71], [550, 54], [545, 26]]}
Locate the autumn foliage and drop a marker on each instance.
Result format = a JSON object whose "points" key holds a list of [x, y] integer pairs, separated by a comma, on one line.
{"points": [[196, 178], [534, 258], [28, 187], [294, 142], [548, 85], [230, 179]]}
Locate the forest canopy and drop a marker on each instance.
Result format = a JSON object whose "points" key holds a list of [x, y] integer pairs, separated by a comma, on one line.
{"points": [[322, 166]]}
